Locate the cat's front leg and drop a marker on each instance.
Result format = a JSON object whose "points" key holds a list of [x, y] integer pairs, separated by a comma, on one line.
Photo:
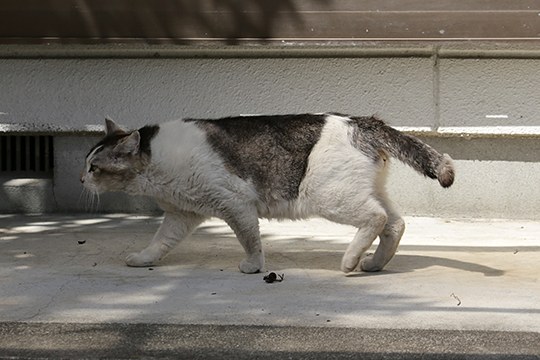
{"points": [[174, 228]]}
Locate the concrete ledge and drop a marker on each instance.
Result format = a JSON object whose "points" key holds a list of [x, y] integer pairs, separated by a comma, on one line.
{"points": [[522, 49], [127, 51], [26, 195], [443, 131], [474, 131], [50, 129]]}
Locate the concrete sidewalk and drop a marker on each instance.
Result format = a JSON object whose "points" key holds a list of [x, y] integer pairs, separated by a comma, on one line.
{"points": [[478, 275]]}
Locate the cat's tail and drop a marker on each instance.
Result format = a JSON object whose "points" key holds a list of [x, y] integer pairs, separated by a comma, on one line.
{"points": [[411, 151]]}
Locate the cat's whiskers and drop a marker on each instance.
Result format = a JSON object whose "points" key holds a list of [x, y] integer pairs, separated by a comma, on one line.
{"points": [[81, 195], [91, 199], [95, 195]]}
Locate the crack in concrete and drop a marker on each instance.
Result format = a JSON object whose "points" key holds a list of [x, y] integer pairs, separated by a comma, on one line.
{"points": [[52, 299]]}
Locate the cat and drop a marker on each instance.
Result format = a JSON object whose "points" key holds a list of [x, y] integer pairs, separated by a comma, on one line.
{"points": [[244, 168]]}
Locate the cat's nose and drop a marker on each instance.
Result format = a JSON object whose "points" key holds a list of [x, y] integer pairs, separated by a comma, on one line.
{"points": [[82, 179]]}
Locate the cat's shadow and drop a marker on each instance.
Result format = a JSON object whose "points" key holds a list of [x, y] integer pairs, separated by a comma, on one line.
{"points": [[410, 263], [300, 252], [399, 264], [330, 260]]}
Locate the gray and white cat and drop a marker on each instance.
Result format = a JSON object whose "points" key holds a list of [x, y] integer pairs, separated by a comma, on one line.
{"points": [[244, 168]]}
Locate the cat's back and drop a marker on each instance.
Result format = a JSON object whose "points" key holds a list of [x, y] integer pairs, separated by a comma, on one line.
{"points": [[270, 150], [275, 127]]}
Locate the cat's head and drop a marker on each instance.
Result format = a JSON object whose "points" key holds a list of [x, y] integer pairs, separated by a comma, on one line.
{"points": [[114, 162]]}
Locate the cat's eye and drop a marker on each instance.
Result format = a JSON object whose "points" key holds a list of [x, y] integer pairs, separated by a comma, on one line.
{"points": [[92, 168]]}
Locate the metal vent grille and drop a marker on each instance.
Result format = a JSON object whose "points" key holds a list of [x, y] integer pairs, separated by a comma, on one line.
{"points": [[26, 154]]}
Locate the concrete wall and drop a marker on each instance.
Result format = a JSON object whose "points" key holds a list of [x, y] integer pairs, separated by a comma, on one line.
{"points": [[74, 93], [496, 176]]}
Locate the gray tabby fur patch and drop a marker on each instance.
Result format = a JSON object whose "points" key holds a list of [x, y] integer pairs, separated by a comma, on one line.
{"points": [[270, 151]]}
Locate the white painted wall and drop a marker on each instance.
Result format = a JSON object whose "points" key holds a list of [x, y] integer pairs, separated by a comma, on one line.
{"points": [[75, 93], [495, 178]]}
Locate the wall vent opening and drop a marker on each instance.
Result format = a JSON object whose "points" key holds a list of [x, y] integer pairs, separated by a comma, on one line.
{"points": [[26, 155]]}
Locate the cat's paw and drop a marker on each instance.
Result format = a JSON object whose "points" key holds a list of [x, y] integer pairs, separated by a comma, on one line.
{"points": [[252, 266], [140, 259], [349, 263], [367, 264]]}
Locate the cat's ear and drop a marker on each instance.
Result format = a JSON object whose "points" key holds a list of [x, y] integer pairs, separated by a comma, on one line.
{"points": [[129, 144], [112, 128]]}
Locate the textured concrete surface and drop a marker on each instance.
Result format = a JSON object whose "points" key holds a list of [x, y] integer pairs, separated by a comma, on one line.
{"points": [[457, 289], [169, 341], [451, 275], [76, 93], [26, 195], [489, 92], [421, 92], [487, 188]]}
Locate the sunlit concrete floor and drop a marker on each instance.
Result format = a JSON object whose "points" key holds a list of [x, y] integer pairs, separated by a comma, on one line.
{"points": [[448, 274]]}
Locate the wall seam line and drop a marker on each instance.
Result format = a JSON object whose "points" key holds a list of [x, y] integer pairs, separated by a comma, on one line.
{"points": [[436, 89]]}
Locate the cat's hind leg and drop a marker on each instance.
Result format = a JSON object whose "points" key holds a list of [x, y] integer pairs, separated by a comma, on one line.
{"points": [[246, 227], [175, 227], [368, 216], [350, 200], [392, 232], [388, 240], [370, 221]]}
